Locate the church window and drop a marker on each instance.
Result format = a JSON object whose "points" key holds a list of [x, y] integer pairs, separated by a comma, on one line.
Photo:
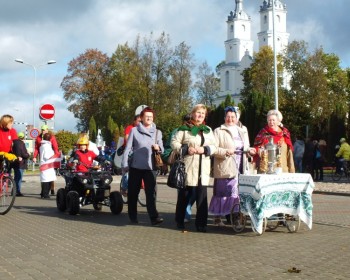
{"points": [[243, 27], [227, 80], [231, 28], [278, 18], [265, 18]]}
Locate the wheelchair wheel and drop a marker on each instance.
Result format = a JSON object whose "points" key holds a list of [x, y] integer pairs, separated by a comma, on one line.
{"points": [[292, 223], [73, 203], [272, 222], [238, 222], [61, 200], [7, 194]]}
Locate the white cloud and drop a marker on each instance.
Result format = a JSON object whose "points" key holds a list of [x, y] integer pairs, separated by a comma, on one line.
{"points": [[41, 30]]}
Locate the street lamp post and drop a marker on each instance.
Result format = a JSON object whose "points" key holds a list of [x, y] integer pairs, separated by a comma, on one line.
{"points": [[35, 69], [274, 54]]}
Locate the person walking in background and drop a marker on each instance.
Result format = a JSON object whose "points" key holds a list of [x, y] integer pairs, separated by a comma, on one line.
{"points": [[229, 161], [144, 140], [7, 133], [318, 163], [47, 165], [197, 143], [308, 158], [128, 129], [281, 137], [53, 141], [299, 149], [19, 165]]}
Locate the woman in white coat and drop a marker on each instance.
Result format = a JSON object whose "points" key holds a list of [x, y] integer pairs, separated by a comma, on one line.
{"points": [[196, 142], [47, 165], [229, 161]]}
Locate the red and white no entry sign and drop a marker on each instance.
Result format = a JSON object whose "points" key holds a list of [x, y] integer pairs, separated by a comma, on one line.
{"points": [[47, 111]]}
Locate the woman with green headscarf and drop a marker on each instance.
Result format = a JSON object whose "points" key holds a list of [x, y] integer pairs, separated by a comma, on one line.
{"points": [[196, 142]]}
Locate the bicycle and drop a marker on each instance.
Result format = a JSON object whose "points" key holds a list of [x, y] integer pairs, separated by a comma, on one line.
{"points": [[124, 189], [343, 172], [7, 184]]}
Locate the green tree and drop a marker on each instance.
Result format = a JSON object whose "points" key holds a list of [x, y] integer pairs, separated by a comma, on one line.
{"points": [[258, 91], [207, 85], [85, 86], [92, 129], [66, 141]]}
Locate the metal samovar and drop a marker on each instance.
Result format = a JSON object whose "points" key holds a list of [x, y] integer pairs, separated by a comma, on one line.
{"points": [[272, 153]]}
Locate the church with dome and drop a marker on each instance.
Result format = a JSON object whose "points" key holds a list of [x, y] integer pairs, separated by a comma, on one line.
{"points": [[239, 44]]}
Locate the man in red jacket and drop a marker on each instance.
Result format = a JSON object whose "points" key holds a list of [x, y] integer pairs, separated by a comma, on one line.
{"points": [[45, 129]]}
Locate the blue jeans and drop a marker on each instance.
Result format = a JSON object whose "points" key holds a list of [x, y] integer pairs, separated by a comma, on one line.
{"points": [[18, 178], [298, 162], [191, 198]]}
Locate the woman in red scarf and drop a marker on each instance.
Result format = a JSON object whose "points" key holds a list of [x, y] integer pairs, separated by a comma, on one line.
{"points": [[281, 137]]}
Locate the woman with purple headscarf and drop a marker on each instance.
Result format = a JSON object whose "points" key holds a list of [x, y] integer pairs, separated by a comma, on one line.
{"points": [[229, 161]]}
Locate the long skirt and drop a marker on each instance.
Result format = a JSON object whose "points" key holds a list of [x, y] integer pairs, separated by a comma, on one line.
{"points": [[224, 197]]}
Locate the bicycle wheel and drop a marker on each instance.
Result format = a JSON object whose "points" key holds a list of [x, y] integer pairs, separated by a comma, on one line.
{"points": [[124, 194], [142, 197], [336, 175], [7, 194]]}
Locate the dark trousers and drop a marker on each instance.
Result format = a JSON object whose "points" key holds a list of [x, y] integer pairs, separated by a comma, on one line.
{"points": [[134, 184], [318, 169], [45, 189], [183, 197]]}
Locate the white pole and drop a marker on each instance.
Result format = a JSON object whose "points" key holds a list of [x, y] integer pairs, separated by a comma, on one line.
{"points": [[34, 95], [274, 54], [34, 68]]}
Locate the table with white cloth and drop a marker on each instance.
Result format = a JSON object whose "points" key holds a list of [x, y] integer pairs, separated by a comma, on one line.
{"points": [[264, 195]]}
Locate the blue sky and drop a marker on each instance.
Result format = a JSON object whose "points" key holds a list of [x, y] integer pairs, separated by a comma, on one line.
{"points": [[41, 30]]}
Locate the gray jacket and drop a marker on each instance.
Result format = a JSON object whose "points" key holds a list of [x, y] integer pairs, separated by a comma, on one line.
{"points": [[140, 143]]}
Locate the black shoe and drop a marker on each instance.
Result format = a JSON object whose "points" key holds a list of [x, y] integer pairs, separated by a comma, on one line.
{"points": [[46, 197], [52, 192], [180, 226], [134, 221], [201, 229], [157, 221], [19, 194]]}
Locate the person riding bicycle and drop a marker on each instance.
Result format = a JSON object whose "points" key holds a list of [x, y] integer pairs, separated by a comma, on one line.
{"points": [[343, 154], [7, 133]]}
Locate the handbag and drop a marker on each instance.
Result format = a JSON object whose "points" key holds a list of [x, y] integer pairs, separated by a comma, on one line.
{"points": [[158, 160], [120, 150], [157, 157], [177, 174], [172, 157]]}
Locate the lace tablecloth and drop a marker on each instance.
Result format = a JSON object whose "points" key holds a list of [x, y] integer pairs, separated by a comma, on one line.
{"points": [[264, 195]]}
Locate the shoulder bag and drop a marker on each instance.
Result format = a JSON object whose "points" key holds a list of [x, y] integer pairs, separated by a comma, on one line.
{"points": [[177, 175], [157, 158]]}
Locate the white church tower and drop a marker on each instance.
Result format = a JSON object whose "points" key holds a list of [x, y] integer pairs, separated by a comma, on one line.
{"points": [[239, 51], [265, 35], [239, 46]]}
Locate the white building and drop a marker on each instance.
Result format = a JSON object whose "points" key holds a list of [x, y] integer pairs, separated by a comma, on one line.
{"points": [[239, 45]]}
